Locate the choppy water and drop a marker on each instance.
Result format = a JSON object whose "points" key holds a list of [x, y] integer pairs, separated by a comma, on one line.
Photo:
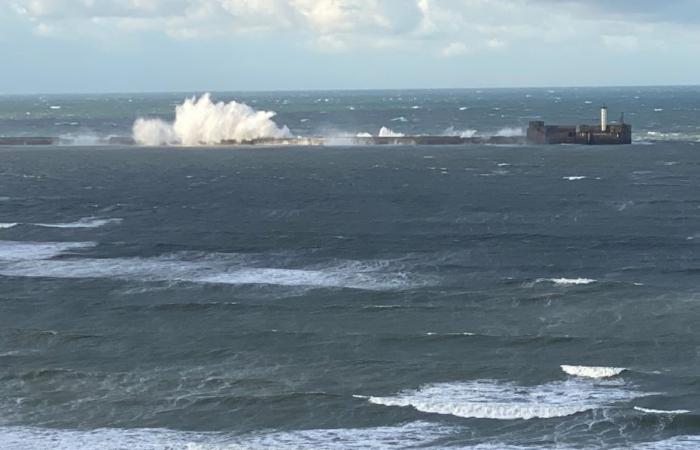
{"points": [[350, 297], [657, 113]]}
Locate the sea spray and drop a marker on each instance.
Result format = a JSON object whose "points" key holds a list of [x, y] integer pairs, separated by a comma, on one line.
{"points": [[203, 122], [388, 132]]}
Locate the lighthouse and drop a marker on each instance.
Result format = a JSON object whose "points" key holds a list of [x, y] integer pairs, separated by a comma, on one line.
{"points": [[604, 118]]}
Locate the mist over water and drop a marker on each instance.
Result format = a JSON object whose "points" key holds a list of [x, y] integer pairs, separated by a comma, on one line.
{"points": [[349, 297]]}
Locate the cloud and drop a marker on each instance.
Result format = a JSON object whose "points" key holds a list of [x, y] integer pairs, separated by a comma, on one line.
{"points": [[439, 27], [453, 49]]}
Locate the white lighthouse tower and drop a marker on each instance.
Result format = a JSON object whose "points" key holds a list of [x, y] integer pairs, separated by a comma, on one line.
{"points": [[604, 118]]}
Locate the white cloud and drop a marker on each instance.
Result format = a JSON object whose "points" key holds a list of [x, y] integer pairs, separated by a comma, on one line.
{"points": [[453, 49], [442, 27]]}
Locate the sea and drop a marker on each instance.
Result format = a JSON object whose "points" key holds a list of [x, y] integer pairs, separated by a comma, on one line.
{"points": [[351, 296]]}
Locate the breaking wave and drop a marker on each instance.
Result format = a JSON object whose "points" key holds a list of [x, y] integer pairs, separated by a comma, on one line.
{"points": [[488, 399], [8, 225], [203, 122], [567, 281], [661, 411], [388, 132], [19, 259], [388, 437], [468, 133], [510, 132], [35, 251], [85, 222], [592, 372]]}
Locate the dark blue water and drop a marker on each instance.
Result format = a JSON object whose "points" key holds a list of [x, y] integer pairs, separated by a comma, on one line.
{"points": [[350, 297]]}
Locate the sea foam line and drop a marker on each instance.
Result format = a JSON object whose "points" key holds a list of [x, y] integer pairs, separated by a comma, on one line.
{"points": [[387, 437], [661, 411], [35, 259], [85, 222]]}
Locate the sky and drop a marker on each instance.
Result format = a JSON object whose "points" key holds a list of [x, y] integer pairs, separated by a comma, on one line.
{"points": [[79, 46]]}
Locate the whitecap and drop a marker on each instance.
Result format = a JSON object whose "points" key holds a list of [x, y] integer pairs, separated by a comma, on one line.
{"points": [[661, 411], [387, 437], [399, 119], [232, 269], [489, 399], [592, 372], [658, 109], [85, 222], [8, 225], [575, 178], [567, 281], [34, 251]]}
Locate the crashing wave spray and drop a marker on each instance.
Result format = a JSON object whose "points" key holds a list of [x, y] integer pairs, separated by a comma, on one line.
{"points": [[203, 122]]}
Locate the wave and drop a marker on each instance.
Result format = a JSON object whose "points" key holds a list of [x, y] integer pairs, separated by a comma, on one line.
{"points": [[488, 399], [8, 225], [567, 281], [33, 260], [388, 132], [14, 251], [510, 132], [85, 222], [468, 133], [592, 372], [203, 122], [387, 437], [575, 178], [668, 136], [661, 411]]}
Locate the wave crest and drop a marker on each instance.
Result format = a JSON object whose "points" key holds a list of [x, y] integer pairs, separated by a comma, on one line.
{"points": [[487, 399], [203, 122], [592, 372]]}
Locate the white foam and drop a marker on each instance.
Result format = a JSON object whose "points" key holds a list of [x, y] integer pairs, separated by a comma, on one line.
{"points": [[674, 443], [567, 281], [661, 411], [85, 222], [203, 122], [388, 437], [592, 372], [510, 132], [33, 251], [465, 333], [468, 133], [488, 399], [233, 269], [575, 178], [399, 119], [388, 132], [8, 225]]}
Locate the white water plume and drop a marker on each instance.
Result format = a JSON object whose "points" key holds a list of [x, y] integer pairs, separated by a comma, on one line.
{"points": [[388, 132], [510, 132], [200, 121]]}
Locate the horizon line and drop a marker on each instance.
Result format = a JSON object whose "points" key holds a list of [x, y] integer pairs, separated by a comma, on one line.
{"points": [[270, 91]]}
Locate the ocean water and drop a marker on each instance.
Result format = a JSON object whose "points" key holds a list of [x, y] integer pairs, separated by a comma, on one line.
{"points": [[352, 297]]}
